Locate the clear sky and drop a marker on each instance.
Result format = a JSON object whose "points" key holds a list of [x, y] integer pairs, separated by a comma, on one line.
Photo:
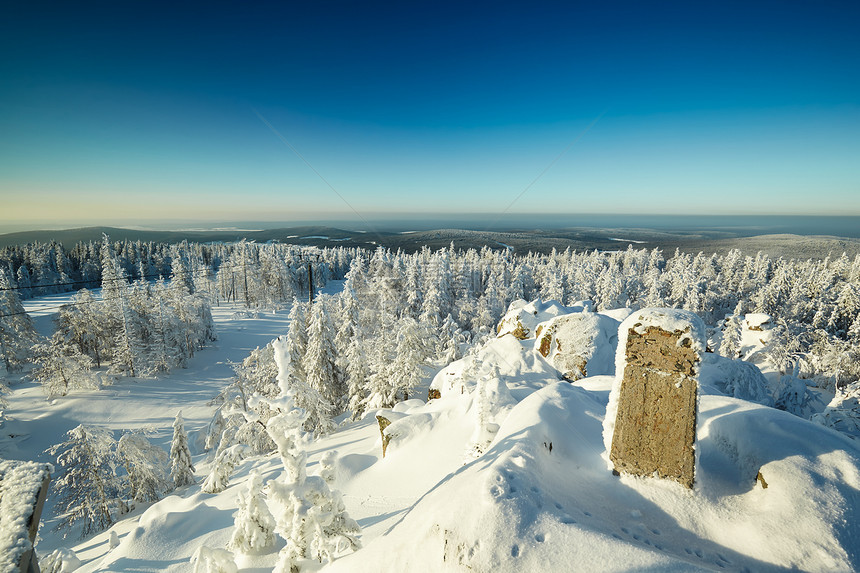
{"points": [[122, 111]]}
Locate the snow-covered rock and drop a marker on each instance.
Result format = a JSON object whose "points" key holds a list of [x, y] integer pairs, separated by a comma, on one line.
{"points": [[522, 318], [578, 344]]}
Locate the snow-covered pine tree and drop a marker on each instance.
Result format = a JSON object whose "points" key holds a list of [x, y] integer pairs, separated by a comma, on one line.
{"points": [[410, 353], [254, 525], [87, 487], [222, 468], [730, 347], [320, 360], [16, 329], [60, 368], [145, 466], [181, 468]]}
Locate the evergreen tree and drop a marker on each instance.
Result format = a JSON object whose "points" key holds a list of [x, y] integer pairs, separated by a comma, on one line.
{"points": [[181, 468], [145, 467], [254, 525], [17, 334], [320, 359], [87, 487], [60, 368]]}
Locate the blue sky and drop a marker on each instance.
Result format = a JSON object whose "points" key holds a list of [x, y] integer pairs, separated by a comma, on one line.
{"points": [[115, 112]]}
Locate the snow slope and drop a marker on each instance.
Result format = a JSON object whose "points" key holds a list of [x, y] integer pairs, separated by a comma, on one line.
{"points": [[538, 498]]}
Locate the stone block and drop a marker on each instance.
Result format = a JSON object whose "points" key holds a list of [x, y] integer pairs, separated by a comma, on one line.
{"points": [[655, 418]]}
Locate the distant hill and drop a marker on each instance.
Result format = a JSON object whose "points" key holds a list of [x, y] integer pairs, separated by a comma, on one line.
{"points": [[519, 240]]}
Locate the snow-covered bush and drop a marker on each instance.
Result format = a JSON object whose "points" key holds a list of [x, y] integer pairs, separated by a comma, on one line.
{"points": [[222, 468], [60, 560], [60, 368], [211, 560], [254, 526], [843, 412]]}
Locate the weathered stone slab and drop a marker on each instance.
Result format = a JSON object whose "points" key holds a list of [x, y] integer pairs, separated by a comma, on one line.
{"points": [[655, 402]]}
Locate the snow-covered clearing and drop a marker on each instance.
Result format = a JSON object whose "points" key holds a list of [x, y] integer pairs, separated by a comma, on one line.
{"points": [[506, 471]]}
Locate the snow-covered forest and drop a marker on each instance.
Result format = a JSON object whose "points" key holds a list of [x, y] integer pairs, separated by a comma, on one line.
{"points": [[142, 311]]}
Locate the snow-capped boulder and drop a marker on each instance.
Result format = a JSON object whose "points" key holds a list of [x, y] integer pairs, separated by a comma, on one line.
{"points": [[757, 321], [522, 317], [579, 344]]}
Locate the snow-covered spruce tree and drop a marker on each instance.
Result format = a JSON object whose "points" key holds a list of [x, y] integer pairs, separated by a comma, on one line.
{"points": [[730, 347], [410, 353], [317, 409], [222, 468], [358, 373], [16, 329], [254, 525], [145, 466], [309, 516], [60, 368], [320, 359], [126, 346], [181, 468], [87, 488], [241, 416], [297, 338]]}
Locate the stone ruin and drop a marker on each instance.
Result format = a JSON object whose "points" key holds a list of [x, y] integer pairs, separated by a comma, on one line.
{"points": [[653, 430]]}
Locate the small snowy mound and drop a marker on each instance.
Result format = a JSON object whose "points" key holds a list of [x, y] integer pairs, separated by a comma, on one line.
{"points": [[522, 317], [579, 344]]}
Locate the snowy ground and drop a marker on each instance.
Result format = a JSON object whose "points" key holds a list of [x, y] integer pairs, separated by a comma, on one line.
{"points": [[540, 497]]}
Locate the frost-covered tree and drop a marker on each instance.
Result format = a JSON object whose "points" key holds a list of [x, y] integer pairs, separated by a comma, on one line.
{"points": [[145, 466], [87, 487], [731, 345], [307, 514], [317, 410], [254, 525], [297, 338], [60, 368], [320, 360], [409, 355], [181, 468], [16, 329], [222, 468]]}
